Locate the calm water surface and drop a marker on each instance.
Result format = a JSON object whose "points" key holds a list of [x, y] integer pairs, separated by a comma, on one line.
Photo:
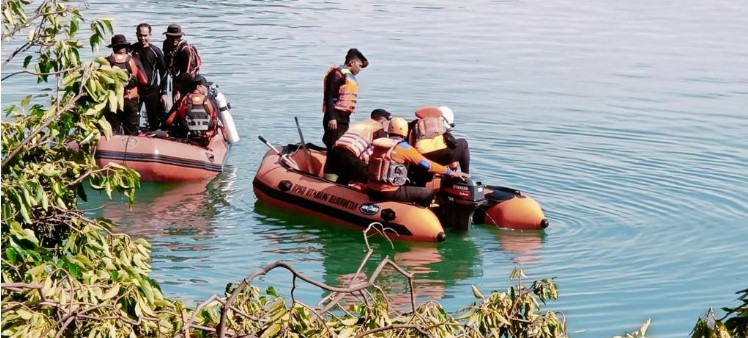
{"points": [[626, 120]]}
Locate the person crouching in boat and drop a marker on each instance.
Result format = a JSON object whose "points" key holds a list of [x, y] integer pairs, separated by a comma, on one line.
{"points": [[432, 137], [197, 114], [388, 168], [347, 160]]}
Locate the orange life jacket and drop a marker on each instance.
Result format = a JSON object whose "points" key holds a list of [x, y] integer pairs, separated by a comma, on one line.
{"points": [[348, 92], [383, 170], [358, 138], [428, 134], [126, 63], [428, 111]]}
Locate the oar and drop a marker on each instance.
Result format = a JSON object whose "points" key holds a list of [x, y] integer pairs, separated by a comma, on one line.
{"points": [[269, 145], [283, 157], [307, 153]]}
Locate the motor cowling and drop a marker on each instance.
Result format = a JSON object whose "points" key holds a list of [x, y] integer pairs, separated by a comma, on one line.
{"points": [[458, 199]]}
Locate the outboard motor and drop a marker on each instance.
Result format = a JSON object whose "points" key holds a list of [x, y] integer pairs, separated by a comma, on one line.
{"points": [[458, 200]]}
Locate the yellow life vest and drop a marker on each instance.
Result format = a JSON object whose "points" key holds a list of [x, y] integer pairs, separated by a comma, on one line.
{"points": [[358, 137], [428, 134]]}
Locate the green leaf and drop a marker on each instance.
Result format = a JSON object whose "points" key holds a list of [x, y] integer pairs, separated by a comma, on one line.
{"points": [[112, 101], [477, 293], [271, 292], [271, 331], [81, 192], [11, 254], [347, 332], [113, 291], [25, 101], [27, 60], [73, 27]]}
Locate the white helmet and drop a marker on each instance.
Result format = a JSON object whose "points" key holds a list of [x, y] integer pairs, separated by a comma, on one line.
{"points": [[448, 115]]}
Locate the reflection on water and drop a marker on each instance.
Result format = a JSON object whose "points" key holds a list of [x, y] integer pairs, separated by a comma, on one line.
{"points": [[166, 209], [435, 266], [523, 246]]}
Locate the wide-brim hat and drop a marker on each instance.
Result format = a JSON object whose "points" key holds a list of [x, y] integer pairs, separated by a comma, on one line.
{"points": [[174, 30], [118, 40], [355, 53]]}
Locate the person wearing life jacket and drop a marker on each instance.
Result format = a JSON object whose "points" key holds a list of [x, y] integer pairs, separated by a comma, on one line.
{"points": [[127, 118], [196, 115], [179, 55], [431, 134], [152, 95], [388, 168], [340, 96], [347, 161]]}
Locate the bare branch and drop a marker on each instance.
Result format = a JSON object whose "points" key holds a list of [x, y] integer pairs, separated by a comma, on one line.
{"points": [[38, 74], [186, 327]]}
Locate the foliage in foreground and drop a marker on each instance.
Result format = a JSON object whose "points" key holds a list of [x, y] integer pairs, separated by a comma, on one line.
{"points": [[64, 274], [243, 311]]}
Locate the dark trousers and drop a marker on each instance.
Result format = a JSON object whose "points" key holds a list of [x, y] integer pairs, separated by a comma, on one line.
{"points": [[151, 99], [419, 195], [127, 119], [342, 162], [331, 136], [460, 153]]}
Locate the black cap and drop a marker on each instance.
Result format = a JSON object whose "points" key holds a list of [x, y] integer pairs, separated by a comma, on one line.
{"points": [[381, 113], [118, 40], [173, 30], [186, 82], [354, 53], [201, 80]]}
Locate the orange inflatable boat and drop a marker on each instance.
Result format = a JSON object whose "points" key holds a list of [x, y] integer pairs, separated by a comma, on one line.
{"points": [[291, 178], [161, 159]]}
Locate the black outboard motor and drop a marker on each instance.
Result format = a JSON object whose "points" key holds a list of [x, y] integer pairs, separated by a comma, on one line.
{"points": [[458, 200]]}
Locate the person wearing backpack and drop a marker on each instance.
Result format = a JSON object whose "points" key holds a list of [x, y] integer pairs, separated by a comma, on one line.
{"points": [[197, 114], [180, 56], [127, 118]]}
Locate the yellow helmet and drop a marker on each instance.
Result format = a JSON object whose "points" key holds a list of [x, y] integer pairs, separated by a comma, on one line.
{"points": [[398, 126]]}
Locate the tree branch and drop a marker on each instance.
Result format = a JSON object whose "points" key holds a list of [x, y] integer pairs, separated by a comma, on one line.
{"points": [[25, 71], [44, 125]]}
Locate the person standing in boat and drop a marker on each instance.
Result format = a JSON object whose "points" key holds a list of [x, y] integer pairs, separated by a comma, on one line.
{"points": [[179, 55], [152, 95], [388, 168], [431, 135], [196, 116], [349, 156], [340, 94], [127, 118]]}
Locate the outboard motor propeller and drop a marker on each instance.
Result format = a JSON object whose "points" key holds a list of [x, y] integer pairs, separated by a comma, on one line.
{"points": [[458, 200]]}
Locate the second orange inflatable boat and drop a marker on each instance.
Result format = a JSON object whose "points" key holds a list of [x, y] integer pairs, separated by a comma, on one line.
{"points": [[291, 178]]}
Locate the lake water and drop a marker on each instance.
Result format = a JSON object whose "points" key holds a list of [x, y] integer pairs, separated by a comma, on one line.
{"points": [[625, 120]]}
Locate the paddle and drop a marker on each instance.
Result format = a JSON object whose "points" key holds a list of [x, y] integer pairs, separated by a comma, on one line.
{"points": [[284, 158], [307, 153]]}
